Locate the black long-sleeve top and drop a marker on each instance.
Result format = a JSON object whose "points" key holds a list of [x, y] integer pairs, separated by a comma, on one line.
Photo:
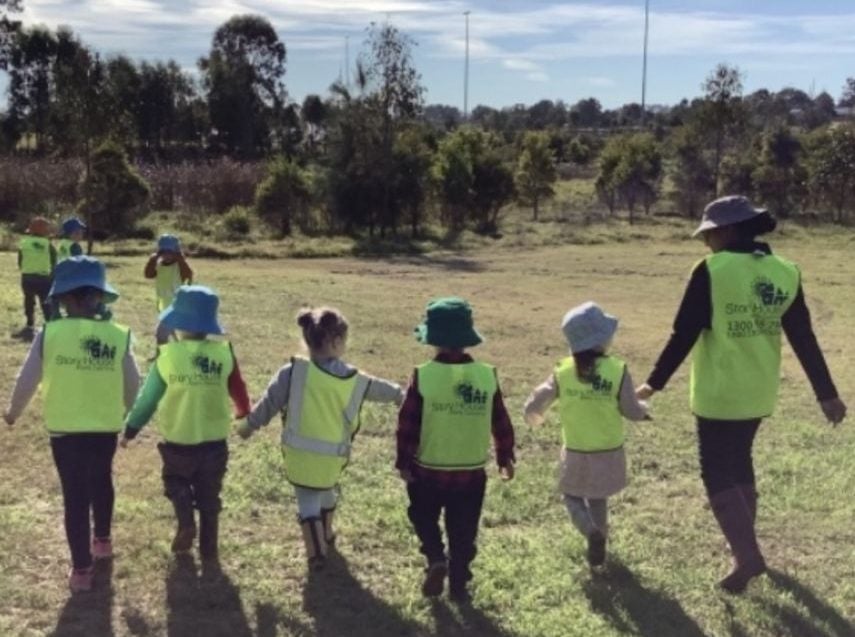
{"points": [[695, 315]]}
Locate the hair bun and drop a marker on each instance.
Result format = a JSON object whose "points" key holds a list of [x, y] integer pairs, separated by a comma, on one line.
{"points": [[328, 320], [305, 318]]}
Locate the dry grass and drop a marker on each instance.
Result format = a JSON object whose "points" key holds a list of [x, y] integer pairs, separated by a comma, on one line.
{"points": [[530, 578]]}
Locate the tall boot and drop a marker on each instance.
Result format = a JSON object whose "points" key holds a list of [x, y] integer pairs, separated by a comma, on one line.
{"points": [[327, 518], [734, 515], [209, 526], [316, 544], [185, 533]]}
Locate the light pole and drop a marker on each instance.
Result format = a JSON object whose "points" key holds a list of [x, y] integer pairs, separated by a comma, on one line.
{"points": [[644, 64], [466, 72]]}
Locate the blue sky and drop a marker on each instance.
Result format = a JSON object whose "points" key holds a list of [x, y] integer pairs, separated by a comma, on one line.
{"points": [[520, 50]]}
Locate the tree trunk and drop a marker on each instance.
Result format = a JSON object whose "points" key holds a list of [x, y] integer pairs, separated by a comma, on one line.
{"points": [[535, 208]]}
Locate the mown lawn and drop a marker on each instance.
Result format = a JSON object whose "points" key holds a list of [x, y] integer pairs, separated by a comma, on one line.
{"points": [[530, 577]]}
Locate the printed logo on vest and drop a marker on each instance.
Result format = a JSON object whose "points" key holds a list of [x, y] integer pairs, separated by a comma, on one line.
{"points": [[598, 389], [470, 395], [600, 384], [97, 355], [468, 401], [208, 367], [761, 316], [206, 372]]}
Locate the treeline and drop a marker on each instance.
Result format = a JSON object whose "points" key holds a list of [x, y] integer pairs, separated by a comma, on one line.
{"points": [[116, 138]]}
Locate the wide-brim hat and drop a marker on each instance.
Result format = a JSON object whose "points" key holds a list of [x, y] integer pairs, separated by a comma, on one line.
{"points": [[168, 243], [72, 225], [728, 211], [39, 227], [81, 272], [194, 309], [448, 323], [587, 327]]}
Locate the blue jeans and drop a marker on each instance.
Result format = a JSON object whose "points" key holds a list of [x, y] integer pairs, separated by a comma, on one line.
{"points": [[311, 501]]}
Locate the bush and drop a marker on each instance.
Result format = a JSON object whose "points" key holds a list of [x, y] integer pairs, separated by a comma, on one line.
{"points": [[37, 186], [238, 222], [113, 193], [284, 196]]}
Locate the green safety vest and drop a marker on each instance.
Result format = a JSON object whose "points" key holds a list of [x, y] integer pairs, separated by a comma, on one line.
{"points": [[736, 364], [457, 414], [196, 406], [35, 256], [320, 422], [83, 383], [63, 249], [590, 412], [167, 281]]}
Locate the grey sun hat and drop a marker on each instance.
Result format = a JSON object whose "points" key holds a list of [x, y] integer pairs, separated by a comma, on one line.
{"points": [[586, 326], [727, 211]]}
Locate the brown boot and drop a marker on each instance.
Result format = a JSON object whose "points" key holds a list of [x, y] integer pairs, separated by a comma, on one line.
{"points": [[186, 531], [733, 511], [313, 538], [327, 517]]}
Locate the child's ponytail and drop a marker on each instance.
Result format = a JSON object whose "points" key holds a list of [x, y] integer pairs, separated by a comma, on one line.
{"points": [[321, 325], [586, 364]]}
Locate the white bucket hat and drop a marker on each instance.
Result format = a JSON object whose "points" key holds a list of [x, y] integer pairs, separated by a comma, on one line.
{"points": [[586, 326]]}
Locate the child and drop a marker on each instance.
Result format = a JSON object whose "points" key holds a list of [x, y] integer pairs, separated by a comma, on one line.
{"points": [[190, 385], [89, 379], [70, 236], [320, 399], [452, 407], [169, 269], [36, 260], [593, 389]]}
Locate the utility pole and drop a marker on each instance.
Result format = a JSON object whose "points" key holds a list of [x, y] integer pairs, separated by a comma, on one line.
{"points": [[644, 64], [466, 72]]}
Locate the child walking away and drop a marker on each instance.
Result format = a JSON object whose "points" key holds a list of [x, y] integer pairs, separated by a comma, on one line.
{"points": [[320, 400], [36, 260], [594, 391], [189, 386], [168, 267], [71, 234], [88, 378], [452, 407]]}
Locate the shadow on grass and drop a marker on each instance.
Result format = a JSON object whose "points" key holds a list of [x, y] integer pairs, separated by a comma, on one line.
{"points": [[620, 598], [203, 603], [88, 614], [463, 620]]}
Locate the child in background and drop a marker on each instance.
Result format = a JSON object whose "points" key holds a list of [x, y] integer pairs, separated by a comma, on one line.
{"points": [[452, 407], [71, 234], [168, 267], [36, 260], [320, 400], [594, 392], [190, 385], [89, 379]]}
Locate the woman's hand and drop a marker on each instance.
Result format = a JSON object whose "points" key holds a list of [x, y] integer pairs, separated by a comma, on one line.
{"points": [[834, 409], [244, 430], [644, 392], [507, 472]]}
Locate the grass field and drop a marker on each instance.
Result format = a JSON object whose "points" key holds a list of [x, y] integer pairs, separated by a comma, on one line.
{"points": [[530, 577]]}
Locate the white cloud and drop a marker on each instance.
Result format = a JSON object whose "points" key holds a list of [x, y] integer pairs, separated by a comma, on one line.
{"points": [[601, 81]]}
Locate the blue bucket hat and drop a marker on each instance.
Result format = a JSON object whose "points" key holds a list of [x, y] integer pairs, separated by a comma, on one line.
{"points": [[168, 243], [194, 309], [72, 225], [81, 272], [586, 326]]}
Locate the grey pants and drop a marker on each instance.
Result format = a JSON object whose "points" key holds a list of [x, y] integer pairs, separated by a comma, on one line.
{"points": [[588, 514]]}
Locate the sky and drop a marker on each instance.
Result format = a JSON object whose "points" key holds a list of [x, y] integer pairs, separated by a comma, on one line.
{"points": [[521, 51]]}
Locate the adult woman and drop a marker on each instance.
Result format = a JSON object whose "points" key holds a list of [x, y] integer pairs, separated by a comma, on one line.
{"points": [[738, 301]]}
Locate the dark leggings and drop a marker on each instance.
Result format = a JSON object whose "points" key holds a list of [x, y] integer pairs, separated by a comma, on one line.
{"points": [[36, 287], [85, 466], [725, 451]]}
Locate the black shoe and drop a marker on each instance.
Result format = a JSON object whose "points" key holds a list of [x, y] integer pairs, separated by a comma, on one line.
{"points": [[434, 579], [596, 549], [460, 594]]}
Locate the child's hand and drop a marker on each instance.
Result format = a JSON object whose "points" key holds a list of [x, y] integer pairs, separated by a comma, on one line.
{"points": [[644, 392], [124, 442], [244, 430], [8, 418], [507, 472]]}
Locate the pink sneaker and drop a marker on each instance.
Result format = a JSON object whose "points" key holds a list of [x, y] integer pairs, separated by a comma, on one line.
{"points": [[80, 580], [102, 548]]}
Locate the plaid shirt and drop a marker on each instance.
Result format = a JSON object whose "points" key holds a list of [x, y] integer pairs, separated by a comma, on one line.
{"points": [[410, 429]]}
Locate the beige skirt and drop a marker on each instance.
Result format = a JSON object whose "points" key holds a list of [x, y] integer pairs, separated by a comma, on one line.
{"points": [[592, 475]]}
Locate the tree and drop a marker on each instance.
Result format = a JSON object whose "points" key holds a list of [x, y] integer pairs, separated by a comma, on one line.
{"points": [[243, 77], [847, 98], [284, 196], [586, 113], [9, 28], [30, 61], [631, 171], [535, 173], [411, 177], [690, 174], [779, 178], [314, 113], [722, 110], [831, 168]]}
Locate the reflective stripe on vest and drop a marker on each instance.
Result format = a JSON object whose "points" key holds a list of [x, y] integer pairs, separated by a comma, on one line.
{"points": [[590, 412], [83, 381], [321, 419], [457, 414], [736, 364], [35, 256], [196, 406], [167, 281]]}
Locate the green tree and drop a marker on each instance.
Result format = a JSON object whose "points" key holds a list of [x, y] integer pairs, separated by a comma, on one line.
{"points": [[535, 171], [831, 168], [30, 60], [780, 178], [9, 28], [284, 197], [630, 172], [722, 111], [690, 172]]}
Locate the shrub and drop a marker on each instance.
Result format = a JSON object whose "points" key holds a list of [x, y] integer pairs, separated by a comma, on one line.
{"points": [[37, 186], [284, 196], [238, 221]]}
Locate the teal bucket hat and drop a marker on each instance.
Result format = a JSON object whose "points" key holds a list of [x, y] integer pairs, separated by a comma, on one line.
{"points": [[168, 243], [448, 323], [194, 309], [81, 272]]}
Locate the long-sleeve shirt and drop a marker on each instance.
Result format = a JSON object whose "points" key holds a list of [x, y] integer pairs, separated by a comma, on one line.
{"points": [[154, 388], [695, 315], [275, 398], [150, 270], [539, 401], [30, 376], [410, 430]]}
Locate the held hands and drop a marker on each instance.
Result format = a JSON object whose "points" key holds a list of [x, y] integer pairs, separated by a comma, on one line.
{"points": [[244, 430], [834, 410], [644, 392]]}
